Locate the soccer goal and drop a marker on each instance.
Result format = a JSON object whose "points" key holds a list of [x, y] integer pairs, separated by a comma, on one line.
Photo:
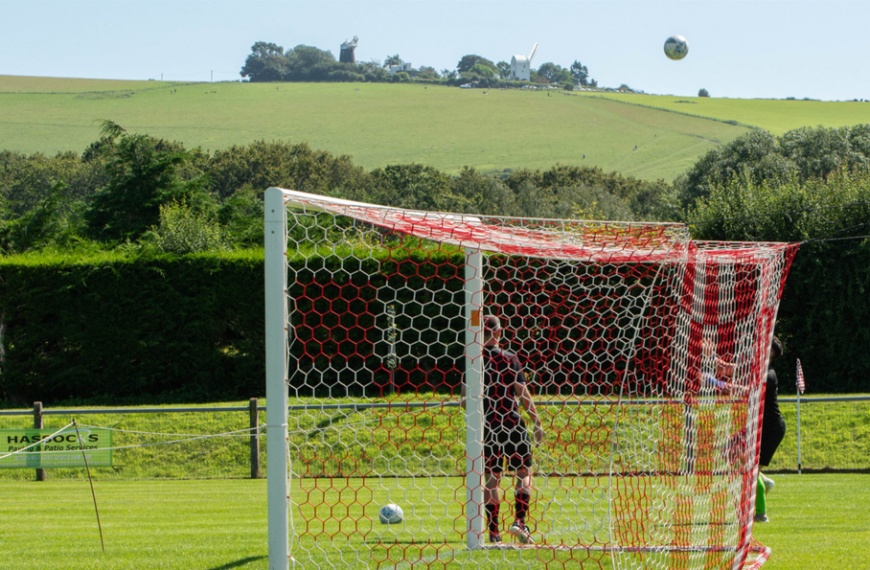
{"points": [[374, 327]]}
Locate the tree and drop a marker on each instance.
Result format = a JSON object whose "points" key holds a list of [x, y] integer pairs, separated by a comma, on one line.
{"points": [[266, 62], [307, 63], [482, 71], [819, 152], [703, 93], [372, 71], [752, 157], [427, 72], [143, 174], [484, 194], [417, 187], [41, 198], [468, 61], [504, 70], [579, 73], [553, 73], [52, 222], [241, 217], [758, 157], [184, 230], [392, 60], [278, 163]]}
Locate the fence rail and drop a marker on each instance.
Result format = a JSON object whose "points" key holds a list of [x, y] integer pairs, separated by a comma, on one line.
{"points": [[198, 445], [833, 432]]}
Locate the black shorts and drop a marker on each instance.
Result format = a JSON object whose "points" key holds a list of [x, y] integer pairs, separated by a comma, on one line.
{"points": [[507, 443], [771, 437]]}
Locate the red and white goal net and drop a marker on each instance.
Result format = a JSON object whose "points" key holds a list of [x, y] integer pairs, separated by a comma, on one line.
{"points": [[374, 326]]}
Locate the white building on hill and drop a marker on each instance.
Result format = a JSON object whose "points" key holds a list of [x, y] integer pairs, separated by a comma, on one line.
{"points": [[404, 66], [521, 66]]}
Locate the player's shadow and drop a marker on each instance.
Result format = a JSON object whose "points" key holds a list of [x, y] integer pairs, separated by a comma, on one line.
{"points": [[238, 563]]}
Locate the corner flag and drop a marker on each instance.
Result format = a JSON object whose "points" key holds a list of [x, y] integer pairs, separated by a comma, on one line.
{"points": [[801, 386]]}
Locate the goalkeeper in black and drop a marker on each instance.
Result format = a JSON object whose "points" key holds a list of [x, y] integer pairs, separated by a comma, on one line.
{"points": [[506, 439]]}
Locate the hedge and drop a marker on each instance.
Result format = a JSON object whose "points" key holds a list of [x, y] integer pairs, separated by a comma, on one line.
{"points": [[122, 330], [129, 331]]}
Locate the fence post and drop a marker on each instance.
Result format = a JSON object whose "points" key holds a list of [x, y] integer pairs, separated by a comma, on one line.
{"points": [[254, 414], [37, 423]]}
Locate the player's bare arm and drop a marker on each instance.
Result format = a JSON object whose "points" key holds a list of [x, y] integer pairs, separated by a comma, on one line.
{"points": [[525, 398]]}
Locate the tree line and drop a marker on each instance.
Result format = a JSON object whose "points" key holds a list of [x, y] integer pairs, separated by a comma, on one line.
{"points": [[132, 190], [269, 62]]}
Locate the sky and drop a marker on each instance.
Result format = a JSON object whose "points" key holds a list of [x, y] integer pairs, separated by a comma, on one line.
{"points": [[748, 49]]}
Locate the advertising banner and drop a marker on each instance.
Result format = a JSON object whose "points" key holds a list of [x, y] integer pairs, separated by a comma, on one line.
{"points": [[47, 448]]}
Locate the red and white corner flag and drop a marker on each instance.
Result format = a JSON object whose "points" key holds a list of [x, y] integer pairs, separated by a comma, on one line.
{"points": [[801, 386]]}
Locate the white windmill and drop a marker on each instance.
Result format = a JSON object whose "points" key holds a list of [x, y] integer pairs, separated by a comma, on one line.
{"points": [[521, 66]]}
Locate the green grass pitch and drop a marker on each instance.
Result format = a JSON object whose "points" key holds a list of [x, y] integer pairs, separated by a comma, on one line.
{"points": [[818, 521]]}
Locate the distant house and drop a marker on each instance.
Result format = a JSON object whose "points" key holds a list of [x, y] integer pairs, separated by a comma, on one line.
{"points": [[404, 66]]}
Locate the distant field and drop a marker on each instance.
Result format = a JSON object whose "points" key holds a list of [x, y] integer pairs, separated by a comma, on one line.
{"points": [[775, 115], [378, 124]]}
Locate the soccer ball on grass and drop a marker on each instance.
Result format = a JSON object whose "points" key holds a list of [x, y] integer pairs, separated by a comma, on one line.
{"points": [[391, 514], [676, 47]]}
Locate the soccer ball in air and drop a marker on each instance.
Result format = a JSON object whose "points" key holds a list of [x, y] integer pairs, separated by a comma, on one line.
{"points": [[676, 47], [391, 514]]}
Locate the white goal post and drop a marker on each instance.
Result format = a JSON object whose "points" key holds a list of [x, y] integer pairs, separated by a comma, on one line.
{"points": [[373, 324]]}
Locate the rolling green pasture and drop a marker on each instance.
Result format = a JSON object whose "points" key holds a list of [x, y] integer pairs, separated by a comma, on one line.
{"points": [[375, 124], [775, 115], [645, 136]]}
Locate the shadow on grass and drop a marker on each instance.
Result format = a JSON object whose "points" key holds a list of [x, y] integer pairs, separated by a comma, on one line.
{"points": [[238, 563]]}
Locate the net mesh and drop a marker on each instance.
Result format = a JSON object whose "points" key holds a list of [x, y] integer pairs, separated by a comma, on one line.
{"points": [[621, 330]]}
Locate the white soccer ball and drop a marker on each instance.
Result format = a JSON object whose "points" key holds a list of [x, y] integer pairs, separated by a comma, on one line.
{"points": [[676, 47], [391, 514]]}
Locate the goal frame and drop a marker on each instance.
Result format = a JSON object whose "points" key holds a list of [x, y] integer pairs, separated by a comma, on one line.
{"points": [[277, 340]]}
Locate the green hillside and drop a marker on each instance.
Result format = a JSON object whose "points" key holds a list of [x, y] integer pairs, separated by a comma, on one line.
{"points": [[775, 115], [379, 124]]}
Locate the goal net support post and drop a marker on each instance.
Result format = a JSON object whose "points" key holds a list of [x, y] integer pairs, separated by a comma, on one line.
{"points": [[626, 333], [474, 473], [276, 345]]}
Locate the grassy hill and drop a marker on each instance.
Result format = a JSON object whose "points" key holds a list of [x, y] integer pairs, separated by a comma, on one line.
{"points": [[645, 136], [775, 115]]}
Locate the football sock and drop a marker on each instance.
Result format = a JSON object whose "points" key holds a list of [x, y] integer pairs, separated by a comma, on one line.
{"points": [[492, 516], [522, 506], [760, 502]]}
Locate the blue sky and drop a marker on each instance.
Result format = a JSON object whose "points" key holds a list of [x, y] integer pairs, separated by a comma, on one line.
{"points": [[739, 48]]}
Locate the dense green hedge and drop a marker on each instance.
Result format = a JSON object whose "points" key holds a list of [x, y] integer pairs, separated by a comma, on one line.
{"points": [[124, 330], [190, 328], [824, 315]]}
